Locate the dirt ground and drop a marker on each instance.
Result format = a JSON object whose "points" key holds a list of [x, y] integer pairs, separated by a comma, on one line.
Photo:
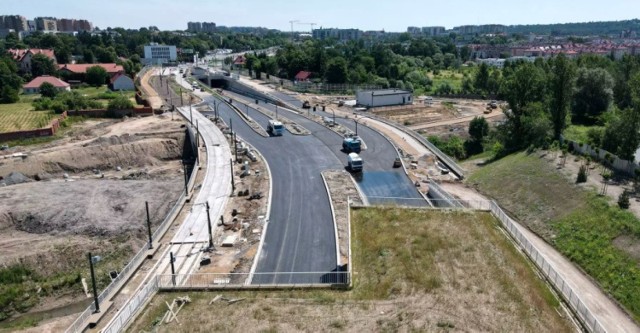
{"points": [[343, 190], [86, 192]]}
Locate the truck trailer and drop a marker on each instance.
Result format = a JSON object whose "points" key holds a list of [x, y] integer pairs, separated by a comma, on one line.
{"points": [[275, 128], [355, 162]]}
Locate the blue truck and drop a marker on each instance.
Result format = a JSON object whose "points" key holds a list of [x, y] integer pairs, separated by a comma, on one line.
{"points": [[352, 144]]}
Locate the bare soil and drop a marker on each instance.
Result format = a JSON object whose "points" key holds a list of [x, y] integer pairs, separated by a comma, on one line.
{"points": [[87, 193]]}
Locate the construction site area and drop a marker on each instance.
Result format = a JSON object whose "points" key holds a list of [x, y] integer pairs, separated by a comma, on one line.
{"points": [[85, 192]]}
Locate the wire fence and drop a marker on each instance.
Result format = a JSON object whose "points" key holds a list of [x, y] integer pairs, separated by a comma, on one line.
{"points": [[127, 312], [81, 322], [574, 301]]}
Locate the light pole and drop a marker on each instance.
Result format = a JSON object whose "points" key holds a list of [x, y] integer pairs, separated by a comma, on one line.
{"points": [[276, 111], [190, 111]]}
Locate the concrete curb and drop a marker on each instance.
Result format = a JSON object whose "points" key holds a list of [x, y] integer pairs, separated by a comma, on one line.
{"points": [[267, 114], [266, 220], [333, 215]]}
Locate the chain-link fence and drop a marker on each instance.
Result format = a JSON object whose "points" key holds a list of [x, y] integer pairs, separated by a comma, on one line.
{"points": [[574, 301]]}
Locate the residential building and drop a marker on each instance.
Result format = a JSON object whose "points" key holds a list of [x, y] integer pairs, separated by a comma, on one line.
{"points": [[201, 27], [23, 57], [303, 76], [339, 34], [433, 31], [82, 25], [384, 97], [194, 26], [122, 82], [16, 23], [46, 24], [77, 72], [156, 54], [65, 25], [33, 87], [414, 30]]}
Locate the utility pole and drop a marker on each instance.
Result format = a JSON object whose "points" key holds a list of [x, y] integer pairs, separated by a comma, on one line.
{"points": [[173, 269], [233, 182], [356, 121], [93, 281], [186, 178], [181, 101], [209, 224], [235, 140], [190, 111], [146, 203], [276, 112]]}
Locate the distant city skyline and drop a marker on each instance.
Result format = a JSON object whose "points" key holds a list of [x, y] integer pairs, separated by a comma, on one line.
{"points": [[393, 16]]}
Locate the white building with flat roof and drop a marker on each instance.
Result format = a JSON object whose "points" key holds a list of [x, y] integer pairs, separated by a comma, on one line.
{"points": [[383, 97], [155, 54]]}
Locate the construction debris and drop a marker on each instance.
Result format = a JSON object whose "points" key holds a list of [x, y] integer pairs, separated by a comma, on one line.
{"points": [[228, 300], [171, 314]]}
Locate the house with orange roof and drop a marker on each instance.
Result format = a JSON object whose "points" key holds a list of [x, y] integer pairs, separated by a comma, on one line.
{"points": [[33, 87], [77, 72], [23, 57]]}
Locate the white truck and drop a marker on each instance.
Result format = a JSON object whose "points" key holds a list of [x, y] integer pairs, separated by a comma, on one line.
{"points": [[354, 162], [275, 128]]}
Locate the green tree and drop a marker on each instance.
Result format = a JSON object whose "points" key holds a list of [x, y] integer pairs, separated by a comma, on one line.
{"points": [[337, 70], [593, 96], [120, 103], [9, 95], [478, 128], [48, 90], [561, 89], [481, 82], [42, 65], [96, 76], [523, 86], [88, 57]]}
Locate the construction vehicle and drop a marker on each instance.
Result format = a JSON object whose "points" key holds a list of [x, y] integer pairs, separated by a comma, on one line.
{"points": [[306, 105], [351, 144], [275, 128], [354, 162]]}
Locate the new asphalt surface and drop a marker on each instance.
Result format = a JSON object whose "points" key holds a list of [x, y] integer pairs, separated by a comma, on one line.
{"points": [[300, 236]]}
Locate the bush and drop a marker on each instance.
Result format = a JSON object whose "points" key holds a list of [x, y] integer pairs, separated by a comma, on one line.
{"points": [[120, 103], [582, 174], [48, 90], [623, 200]]}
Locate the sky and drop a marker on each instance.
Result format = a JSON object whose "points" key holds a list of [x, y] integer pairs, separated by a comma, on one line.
{"points": [[388, 15]]}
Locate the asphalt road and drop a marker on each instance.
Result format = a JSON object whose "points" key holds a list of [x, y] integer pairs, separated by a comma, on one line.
{"points": [[300, 236], [380, 182]]}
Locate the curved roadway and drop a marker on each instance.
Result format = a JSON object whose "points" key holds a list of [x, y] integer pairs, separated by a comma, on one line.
{"points": [[300, 235]]}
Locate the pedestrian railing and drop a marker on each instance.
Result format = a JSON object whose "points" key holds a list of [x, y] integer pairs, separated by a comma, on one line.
{"points": [[168, 282]]}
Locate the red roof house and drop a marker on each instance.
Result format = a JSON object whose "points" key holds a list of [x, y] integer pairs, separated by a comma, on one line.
{"points": [[240, 60], [112, 69], [303, 76], [23, 57], [33, 87]]}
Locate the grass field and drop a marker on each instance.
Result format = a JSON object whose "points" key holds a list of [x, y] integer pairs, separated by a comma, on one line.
{"points": [[104, 94], [20, 116], [578, 133], [580, 224], [453, 77], [414, 271]]}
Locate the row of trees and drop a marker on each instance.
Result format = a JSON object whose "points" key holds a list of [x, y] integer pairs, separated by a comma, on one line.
{"points": [[546, 96]]}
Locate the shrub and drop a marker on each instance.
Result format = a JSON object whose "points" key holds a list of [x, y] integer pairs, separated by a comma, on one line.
{"points": [[582, 174], [623, 200], [120, 103]]}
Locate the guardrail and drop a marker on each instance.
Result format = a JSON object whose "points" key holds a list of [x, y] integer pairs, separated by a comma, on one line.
{"points": [[208, 281], [81, 322], [451, 164]]}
